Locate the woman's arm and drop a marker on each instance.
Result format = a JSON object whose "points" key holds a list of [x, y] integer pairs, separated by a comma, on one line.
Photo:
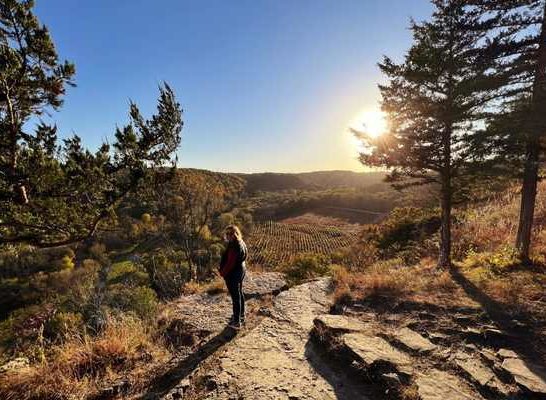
{"points": [[230, 262]]}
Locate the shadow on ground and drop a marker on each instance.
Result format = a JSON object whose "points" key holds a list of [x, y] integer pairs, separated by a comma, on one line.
{"points": [[167, 381], [528, 341], [346, 382]]}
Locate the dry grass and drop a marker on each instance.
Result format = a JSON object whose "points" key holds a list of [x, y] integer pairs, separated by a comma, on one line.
{"points": [[216, 286], [410, 392], [80, 366], [378, 281], [397, 282], [494, 224]]}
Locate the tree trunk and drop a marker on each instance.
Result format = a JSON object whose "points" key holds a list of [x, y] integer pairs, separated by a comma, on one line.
{"points": [[444, 259], [528, 197], [532, 153]]}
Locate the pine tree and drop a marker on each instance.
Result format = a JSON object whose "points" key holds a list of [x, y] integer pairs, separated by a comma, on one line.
{"points": [[520, 45], [50, 193], [436, 102]]}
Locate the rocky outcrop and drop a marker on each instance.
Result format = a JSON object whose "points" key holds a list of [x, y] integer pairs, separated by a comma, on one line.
{"points": [[480, 374], [440, 385], [336, 324], [376, 353], [276, 360], [292, 348], [413, 341], [264, 284], [529, 376], [401, 361], [196, 327], [194, 318]]}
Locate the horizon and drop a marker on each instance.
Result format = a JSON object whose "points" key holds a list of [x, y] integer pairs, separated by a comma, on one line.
{"points": [[264, 86], [367, 171]]}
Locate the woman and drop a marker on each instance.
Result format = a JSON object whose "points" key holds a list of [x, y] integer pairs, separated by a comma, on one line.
{"points": [[232, 269]]}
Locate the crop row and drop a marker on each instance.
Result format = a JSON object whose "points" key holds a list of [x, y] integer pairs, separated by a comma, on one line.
{"points": [[272, 243]]}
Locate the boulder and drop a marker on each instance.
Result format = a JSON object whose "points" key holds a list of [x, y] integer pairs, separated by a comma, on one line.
{"points": [[439, 385], [338, 324], [414, 341], [531, 377], [375, 351]]}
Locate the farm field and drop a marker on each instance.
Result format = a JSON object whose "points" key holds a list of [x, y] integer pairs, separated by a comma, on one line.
{"points": [[275, 242]]}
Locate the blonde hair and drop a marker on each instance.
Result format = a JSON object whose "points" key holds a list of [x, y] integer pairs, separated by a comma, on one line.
{"points": [[235, 231]]}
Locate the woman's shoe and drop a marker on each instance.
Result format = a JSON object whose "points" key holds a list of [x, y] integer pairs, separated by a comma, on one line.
{"points": [[234, 324]]}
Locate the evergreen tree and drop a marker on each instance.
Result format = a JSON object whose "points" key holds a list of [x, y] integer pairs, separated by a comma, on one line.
{"points": [[436, 101], [520, 46], [53, 194]]}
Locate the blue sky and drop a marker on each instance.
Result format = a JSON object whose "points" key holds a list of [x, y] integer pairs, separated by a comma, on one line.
{"points": [[266, 85]]}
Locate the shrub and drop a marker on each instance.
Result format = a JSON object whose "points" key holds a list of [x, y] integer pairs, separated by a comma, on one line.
{"points": [[305, 266], [146, 218], [66, 263], [402, 230], [128, 273], [64, 325], [167, 274], [140, 299], [487, 264]]}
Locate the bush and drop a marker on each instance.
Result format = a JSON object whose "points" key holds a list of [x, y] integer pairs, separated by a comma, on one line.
{"points": [[167, 274], [64, 325], [403, 231], [128, 273], [305, 266], [140, 299], [489, 264]]}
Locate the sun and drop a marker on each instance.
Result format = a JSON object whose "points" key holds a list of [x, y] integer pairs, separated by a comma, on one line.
{"points": [[369, 122]]}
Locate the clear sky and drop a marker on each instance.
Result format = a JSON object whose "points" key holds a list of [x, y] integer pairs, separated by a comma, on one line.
{"points": [[266, 85]]}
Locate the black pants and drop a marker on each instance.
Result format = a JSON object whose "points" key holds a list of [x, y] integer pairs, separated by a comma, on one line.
{"points": [[234, 283]]}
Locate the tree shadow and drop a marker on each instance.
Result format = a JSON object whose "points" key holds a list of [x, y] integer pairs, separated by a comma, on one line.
{"points": [[346, 382], [528, 342], [162, 384]]}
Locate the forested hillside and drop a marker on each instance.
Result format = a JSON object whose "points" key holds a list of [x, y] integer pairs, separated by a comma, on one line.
{"points": [[320, 180]]}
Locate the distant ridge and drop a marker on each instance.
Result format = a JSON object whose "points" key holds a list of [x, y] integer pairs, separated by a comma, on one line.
{"points": [[272, 181]]}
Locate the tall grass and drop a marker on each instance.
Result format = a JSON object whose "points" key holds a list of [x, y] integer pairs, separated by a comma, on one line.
{"points": [[82, 364]]}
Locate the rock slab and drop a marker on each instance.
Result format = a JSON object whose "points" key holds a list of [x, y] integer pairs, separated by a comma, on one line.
{"points": [[439, 385], [414, 341], [263, 284], [277, 360], [527, 375], [338, 324], [372, 350]]}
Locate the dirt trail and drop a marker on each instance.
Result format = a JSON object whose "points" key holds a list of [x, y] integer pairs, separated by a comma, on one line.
{"points": [[276, 359]]}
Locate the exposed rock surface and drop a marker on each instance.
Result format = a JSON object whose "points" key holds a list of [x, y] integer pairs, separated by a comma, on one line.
{"points": [[435, 372], [440, 385], [266, 283], [414, 341], [473, 367], [292, 349], [196, 328], [530, 376], [276, 360], [203, 314], [339, 324], [373, 350]]}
